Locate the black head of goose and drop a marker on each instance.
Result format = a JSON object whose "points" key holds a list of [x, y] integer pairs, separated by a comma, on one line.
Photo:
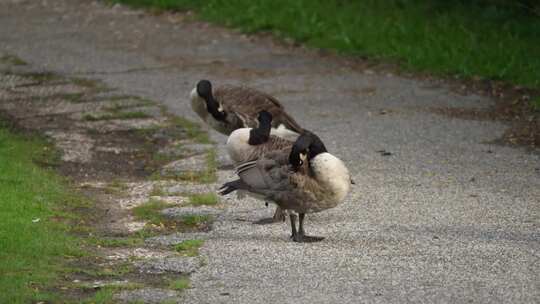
{"points": [[306, 179], [227, 108], [204, 103]]}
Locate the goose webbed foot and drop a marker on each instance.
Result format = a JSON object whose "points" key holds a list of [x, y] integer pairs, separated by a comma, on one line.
{"points": [[300, 236]]}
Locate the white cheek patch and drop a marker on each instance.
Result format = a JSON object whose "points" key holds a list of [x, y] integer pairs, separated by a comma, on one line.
{"points": [[194, 94], [196, 100]]}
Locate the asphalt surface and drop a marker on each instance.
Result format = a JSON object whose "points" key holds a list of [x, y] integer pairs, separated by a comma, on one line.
{"points": [[447, 217]]}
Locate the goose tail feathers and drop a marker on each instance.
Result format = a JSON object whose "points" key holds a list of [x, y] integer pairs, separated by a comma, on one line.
{"points": [[245, 166], [232, 186]]}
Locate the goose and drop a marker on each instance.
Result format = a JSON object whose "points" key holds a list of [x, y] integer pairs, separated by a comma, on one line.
{"points": [[248, 144], [306, 179], [228, 108]]}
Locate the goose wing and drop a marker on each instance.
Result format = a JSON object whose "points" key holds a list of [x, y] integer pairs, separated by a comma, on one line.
{"points": [[266, 173], [274, 144], [246, 103], [271, 177]]}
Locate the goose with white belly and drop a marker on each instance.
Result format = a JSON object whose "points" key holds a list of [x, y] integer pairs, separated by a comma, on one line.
{"points": [[306, 179], [227, 108]]}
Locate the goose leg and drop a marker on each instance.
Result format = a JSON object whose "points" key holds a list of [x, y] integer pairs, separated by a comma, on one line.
{"points": [[301, 224], [279, 217], [294, 233], [302, 235]]}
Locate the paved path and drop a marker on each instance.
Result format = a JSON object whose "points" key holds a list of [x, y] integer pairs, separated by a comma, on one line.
{"points": [[448, 217]]}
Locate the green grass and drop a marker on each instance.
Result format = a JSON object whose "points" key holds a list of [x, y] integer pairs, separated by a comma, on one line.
{"points": [[116, 115], [73, 97], [151, 211], [34, 234], [199, 199], [88, 83], [13, 60], [44, 77], [102, 296], [491, 39], [156, 221], [193, 130], [116, 107], [157, 191], [116, 187], [206, 176], [536, 103], [180, 284], [106, 272], [189, 247], [195, 219], [105, 294], [130, 241]]}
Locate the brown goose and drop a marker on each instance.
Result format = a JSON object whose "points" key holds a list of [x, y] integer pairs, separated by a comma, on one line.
{"points": [[305, 180], [228, 108]]}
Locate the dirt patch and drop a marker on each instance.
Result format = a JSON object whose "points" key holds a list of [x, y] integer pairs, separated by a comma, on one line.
{"points": [[512, 106]]}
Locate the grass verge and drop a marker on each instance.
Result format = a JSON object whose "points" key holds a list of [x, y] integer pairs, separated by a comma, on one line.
{"points": [[193, 130], [13, 60], [491, 39], [105, 294], [34, 236], [116, 115], [194, 220], [199, 199], [189, 247], [156, 221], [112, 242], [180, 284], [151, 211], [206, 176]]}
